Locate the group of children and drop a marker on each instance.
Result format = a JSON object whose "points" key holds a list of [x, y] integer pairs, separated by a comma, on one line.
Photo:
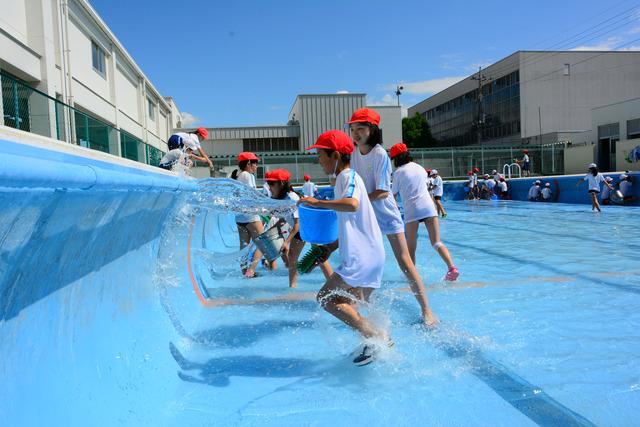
{"points": [[366, 211], [492, 185], [540, 193]]}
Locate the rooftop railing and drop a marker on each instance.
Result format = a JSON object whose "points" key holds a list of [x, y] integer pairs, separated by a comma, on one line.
{"points": [[26, 108]]}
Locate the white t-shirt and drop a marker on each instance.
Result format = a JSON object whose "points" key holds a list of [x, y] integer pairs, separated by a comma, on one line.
{"points": [[375, 171], [546, 193], [490, 183], [266, 190], [360, 239], [534, 192], [525, 158], [503, 186], [250, 181], [606, 193], [625, 188], [594, 181], [410, 181], [472, 182], [309, 189], [497, 177], [190, 140], [437, 186]]}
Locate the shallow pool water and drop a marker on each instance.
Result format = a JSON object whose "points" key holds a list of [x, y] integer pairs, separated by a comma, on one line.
{"points": [[541, 328]]}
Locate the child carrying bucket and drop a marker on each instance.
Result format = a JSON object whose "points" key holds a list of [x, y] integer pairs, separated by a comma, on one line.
{"points": [[359, 243], [280, 187]]}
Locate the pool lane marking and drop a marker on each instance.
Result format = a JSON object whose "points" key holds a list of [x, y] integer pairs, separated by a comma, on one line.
{"points": [[194, 283], [528, 399]]}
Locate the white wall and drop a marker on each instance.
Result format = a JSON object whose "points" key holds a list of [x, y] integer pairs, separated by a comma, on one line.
{"points": [[390, 123], [13, 19]]}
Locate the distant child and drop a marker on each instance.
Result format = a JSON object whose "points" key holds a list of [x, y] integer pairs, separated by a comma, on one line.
{"points": [[525, 163], [547, 194], [278, 181], [249, 226], [535, 191], [606, 192], [309, 189], [594, 178], [409, 181], [471, 186], [625, 186], [488, 184], [359, 243], [502, 188], [438, 191]]}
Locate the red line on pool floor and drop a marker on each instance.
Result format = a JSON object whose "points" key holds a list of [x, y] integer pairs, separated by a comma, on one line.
{"points": [[196, 288]]}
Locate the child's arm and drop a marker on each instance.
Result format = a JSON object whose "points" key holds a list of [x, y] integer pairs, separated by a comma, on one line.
{"points": [[348, 204], [378, 195]]}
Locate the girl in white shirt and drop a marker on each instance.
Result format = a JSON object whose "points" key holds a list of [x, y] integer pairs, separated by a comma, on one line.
{"points": [[249, 226], [372, 163], [359, 242], [438, 191], [409, 181], [309, 189], [594, 178], [280, 186]]}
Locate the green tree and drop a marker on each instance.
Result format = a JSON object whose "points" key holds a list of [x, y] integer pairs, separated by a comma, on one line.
{"points": [[416, 132]]}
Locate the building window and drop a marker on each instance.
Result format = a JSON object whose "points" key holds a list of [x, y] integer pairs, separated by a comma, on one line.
{"points": [[152, 109], [266, 145], [98, 59], [633, 129]]}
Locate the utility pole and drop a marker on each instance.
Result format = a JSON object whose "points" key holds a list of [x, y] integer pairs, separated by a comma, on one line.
{"points": [[480, 119], [398, 93]]}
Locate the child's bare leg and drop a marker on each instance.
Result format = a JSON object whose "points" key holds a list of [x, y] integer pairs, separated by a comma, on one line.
{"points": [[342, 307], [255, 229], [411, 233], [433, 227], [326, 269], [295, 247], [401, 252]]}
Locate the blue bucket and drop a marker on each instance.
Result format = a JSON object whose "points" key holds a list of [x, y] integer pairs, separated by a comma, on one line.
{"points": [[318, 225]]}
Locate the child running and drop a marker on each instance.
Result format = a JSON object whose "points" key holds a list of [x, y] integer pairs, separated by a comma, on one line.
{"points": [[409, 181], [249, 226], [372, 163], [359, 242], [594, 178], [438, 191], [280, 186]]}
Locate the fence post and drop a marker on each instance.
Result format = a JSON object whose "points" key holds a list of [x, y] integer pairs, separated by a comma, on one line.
{"points": [[482, 155], [453, 165]]}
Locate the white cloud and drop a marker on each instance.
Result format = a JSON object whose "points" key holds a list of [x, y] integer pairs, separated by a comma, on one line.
{"points": [[188, 120], [386, 100], [342, 92], [474, 67], [608, 44], [427, 87]]}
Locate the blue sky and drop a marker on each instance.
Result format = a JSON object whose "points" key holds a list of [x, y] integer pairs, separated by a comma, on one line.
{"points": [[242, 63]]}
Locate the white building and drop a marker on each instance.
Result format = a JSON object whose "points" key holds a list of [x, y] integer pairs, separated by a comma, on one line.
{"points": [[63, 50]]}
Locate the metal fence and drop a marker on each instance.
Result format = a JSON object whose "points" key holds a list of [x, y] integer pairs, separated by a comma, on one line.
{"points": [[451, 163], [28, 109]]}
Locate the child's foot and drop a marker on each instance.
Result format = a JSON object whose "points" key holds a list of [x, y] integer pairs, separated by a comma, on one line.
{"points": [[250, 274], [452, 274], [444, 215], [429, 320]]}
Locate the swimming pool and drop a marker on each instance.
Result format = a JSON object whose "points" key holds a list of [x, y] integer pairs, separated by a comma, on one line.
{"points": [[541, 329]]}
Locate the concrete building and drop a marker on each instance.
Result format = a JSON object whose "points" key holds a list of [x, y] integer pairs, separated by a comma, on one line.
{"points": [[531, 97], [615, 132], [66, 75]]}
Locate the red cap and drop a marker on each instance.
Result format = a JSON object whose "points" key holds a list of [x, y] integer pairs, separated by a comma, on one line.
{"points": [[476, 170], [334, 140], [397, 149], [365, 115], [278, 175], [247, 155], [469, 173], [267, 174], [525, 151], [202, 132], [428, 170], [307, 178]]}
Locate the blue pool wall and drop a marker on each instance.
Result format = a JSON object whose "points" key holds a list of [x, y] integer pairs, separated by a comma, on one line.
{"points": [[563, 186], [75, 296]]}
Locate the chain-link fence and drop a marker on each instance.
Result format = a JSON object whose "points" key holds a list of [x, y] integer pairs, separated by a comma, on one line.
{"points": [[28, 109], [451, 163]]}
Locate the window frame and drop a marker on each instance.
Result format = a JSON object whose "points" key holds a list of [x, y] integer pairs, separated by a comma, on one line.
{"points": [[98, 58]]}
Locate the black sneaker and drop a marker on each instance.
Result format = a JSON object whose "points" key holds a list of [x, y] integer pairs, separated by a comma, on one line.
{"points": [[369, 353]]}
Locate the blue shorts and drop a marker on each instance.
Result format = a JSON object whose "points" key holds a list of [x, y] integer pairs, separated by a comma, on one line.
{"points": [[526, 166]]}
